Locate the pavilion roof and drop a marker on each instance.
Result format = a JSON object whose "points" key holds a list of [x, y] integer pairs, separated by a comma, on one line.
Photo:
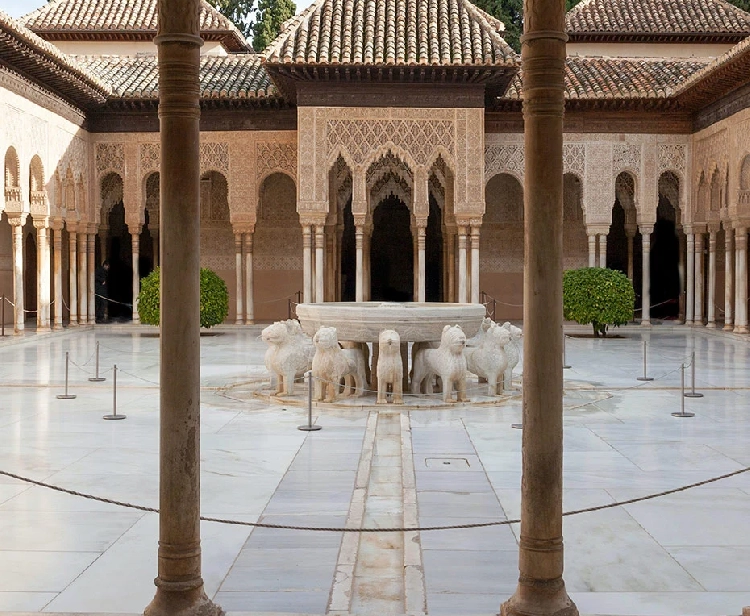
{"points": [[657, 20], [134, 20]]}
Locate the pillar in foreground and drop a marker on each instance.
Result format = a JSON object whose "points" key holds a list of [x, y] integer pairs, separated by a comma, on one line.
{"points": [[646, 232], [238, 276], [135, 237], [711, 304], [57, 226], [19, 315], [83, 285], [690, 291], [91, 256], [541, 589], [359, 239], [179, 585], [462, 282], [307, 264], [249, 303], [43, 274], [698, 311], [728, 280], [421, 291], [73, 272], [320, 263], [475, 264]]}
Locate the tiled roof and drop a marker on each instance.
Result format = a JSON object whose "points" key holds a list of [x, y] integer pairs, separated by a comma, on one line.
{"points": [[655, 19], [25, 53], [240, 76], [392, 33], [114, 19], [619, 78]]}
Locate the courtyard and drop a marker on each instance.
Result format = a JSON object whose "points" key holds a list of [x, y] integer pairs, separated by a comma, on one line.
{"points": [[680, 554]]}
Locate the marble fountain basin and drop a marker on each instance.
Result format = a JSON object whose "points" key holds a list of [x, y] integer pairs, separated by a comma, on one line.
{"points": [[414, 321]]}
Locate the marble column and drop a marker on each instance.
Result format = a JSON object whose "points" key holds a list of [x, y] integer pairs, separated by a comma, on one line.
{"points": [[135, 236], [646, 277], [238, 277], [728, 279], [359, 233], [699, 300], [57, 272], [462, 278], [541, 589], [43, 275], [690, 289], [740, 285], [179, 585], [630, 238], [475, 264], [83, 285], [247, 238], [91, 254], [154, 245], [73, 274], [711, 302], [602, 250], [307, 273], [19, 316], [320, 263], [421, 290], [367, 272], [592, 250]]}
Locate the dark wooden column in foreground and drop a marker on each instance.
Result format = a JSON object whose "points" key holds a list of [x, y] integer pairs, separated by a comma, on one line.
{"points": [[179, 585], [541, 590]]}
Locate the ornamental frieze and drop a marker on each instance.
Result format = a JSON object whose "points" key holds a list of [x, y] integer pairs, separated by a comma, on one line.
{"points": [[272, 156], [110, 157], [672, 157]]}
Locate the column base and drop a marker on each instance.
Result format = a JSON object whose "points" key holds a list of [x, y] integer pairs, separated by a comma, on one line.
{"points": [[740, 329], [646, 323], [238, 322], [529, 601], [249, 321], [728, 327], [711, 325], [185, 603]]}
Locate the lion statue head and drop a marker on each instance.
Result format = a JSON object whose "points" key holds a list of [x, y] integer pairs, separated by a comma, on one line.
{"points": [[453, 338], [280, 332], [388, 341], [326, 338]]}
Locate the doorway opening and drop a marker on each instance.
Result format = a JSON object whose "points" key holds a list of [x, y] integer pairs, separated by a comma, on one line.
{"points": [[392, 253]]}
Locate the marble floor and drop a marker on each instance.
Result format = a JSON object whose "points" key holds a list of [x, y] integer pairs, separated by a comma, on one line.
{"points": [[679, 555]]}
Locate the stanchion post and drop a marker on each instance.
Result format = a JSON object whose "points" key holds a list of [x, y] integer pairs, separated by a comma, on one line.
{"points": [[645, 376], [96, 378], [309, 427], [114, 414], [66, 395], [692, 393], [682, 412]]}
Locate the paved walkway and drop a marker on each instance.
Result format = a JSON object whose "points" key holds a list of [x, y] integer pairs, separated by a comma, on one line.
{"points": [[686, 554]]}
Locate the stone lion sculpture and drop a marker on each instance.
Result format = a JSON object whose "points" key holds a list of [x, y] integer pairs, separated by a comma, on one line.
{"points": [[331, 363], [476, 339], [489, 360], [289, 355], [364, 350], [447, 361], [512, 351], [390, 368]]}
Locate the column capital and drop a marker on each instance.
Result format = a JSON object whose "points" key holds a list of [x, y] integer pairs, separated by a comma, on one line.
{"points": [[17, 220], [646, 229], [41, 222], [243, 228]]}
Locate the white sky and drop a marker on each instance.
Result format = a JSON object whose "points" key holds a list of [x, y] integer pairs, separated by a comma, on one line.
{"points": [[16, 8]]}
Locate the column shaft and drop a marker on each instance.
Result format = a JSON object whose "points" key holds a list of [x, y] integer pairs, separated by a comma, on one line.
{"points": [[592, 250], [83, 278], [18, 299], [90, 272], [728, 280], [699, 300], [630, 258], [359, 294], [320, 263], [690, 295], [307, 273], [73, 275], [249, 291], [451, 264], [57, 272], [711, 302], [462, 282], [136, 241], [238, 276], [475, 265], [43, 278], [740, 304], [603, 250], [421, 293], [646, 279]]}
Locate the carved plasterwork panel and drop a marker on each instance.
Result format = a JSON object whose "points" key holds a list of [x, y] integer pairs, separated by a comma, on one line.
{"points": [[672, 157], [599, 184], [214, 157], [503, 159], [110, 157], [626, 157], [150, 157], [272, 156], [574, 159]]}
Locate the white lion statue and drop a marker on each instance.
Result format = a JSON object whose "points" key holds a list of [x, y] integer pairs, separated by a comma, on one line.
{"points": [[476, 339], [512, 351], [447, 361], [489, 360], [390, 367], [331, 363], [289, 355]]}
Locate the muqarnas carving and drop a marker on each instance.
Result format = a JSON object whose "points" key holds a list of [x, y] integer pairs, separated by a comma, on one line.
{"points": [[331, 363], [447, 361], [489, 359], [390, 369], [289, 355]]}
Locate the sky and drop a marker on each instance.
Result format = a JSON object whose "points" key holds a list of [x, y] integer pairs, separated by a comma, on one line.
{"points": [[16, 8]]}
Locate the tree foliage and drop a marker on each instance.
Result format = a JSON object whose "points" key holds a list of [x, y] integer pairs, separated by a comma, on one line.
{"points": [[239, 12], [598, 296], [270, 16]]}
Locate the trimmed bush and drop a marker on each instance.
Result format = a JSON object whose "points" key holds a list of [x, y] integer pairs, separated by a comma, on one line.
{"points": [[214, 299], [598, 296]]}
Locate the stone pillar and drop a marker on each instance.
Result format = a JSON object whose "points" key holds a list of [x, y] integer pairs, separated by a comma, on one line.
{"points": [[602, 250], [646, 277], [420, 293], [135, 236], [320, 263], [451, 266], [73, 273], [368, 264], [698, 311], [57, 272], [690, 287], [462, 282], [238, 276], [541, 589], [43, 275], [249, 291], [83, 277], [728, 279], [711, 307], [475, 264], [91, 271], [179, 585], [359, 233], [592, 250], [630, 237], [154, 244], [307, 273], [740, 285], [19, 316]]}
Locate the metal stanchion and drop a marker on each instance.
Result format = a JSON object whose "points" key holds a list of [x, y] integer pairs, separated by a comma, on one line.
{"points": [[97, 378], [565, 361], [309, 427], [645, 373], [114, 414], [692, 393], [517, 426], [66, 395], [682, 412]]}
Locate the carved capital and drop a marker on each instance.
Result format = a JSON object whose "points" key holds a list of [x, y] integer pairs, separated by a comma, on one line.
{"points": [[41, 222], [17, 220]]}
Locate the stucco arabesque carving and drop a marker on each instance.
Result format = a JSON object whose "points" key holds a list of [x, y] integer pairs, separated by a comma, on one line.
{"points": [[574, 159], [672, 157], [214, 157], [504, 159], [626, 157], [110, 157], [150, 157]]}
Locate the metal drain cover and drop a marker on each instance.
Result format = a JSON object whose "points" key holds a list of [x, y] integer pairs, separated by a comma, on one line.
{"points": [[446, 463]]}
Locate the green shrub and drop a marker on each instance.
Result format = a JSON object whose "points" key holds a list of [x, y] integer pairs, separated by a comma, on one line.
{"points": [[214, 299], [598, 296]]}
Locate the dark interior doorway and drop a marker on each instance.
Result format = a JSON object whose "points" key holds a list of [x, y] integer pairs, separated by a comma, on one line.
{"points": [[120, 275], [392, 253], [434, 254], [665, 261], [29, 270], [348, 257]]}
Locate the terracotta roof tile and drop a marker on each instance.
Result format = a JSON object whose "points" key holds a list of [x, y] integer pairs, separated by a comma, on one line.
{"points": [[657, 18], [392, 33], [227, 77]]}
